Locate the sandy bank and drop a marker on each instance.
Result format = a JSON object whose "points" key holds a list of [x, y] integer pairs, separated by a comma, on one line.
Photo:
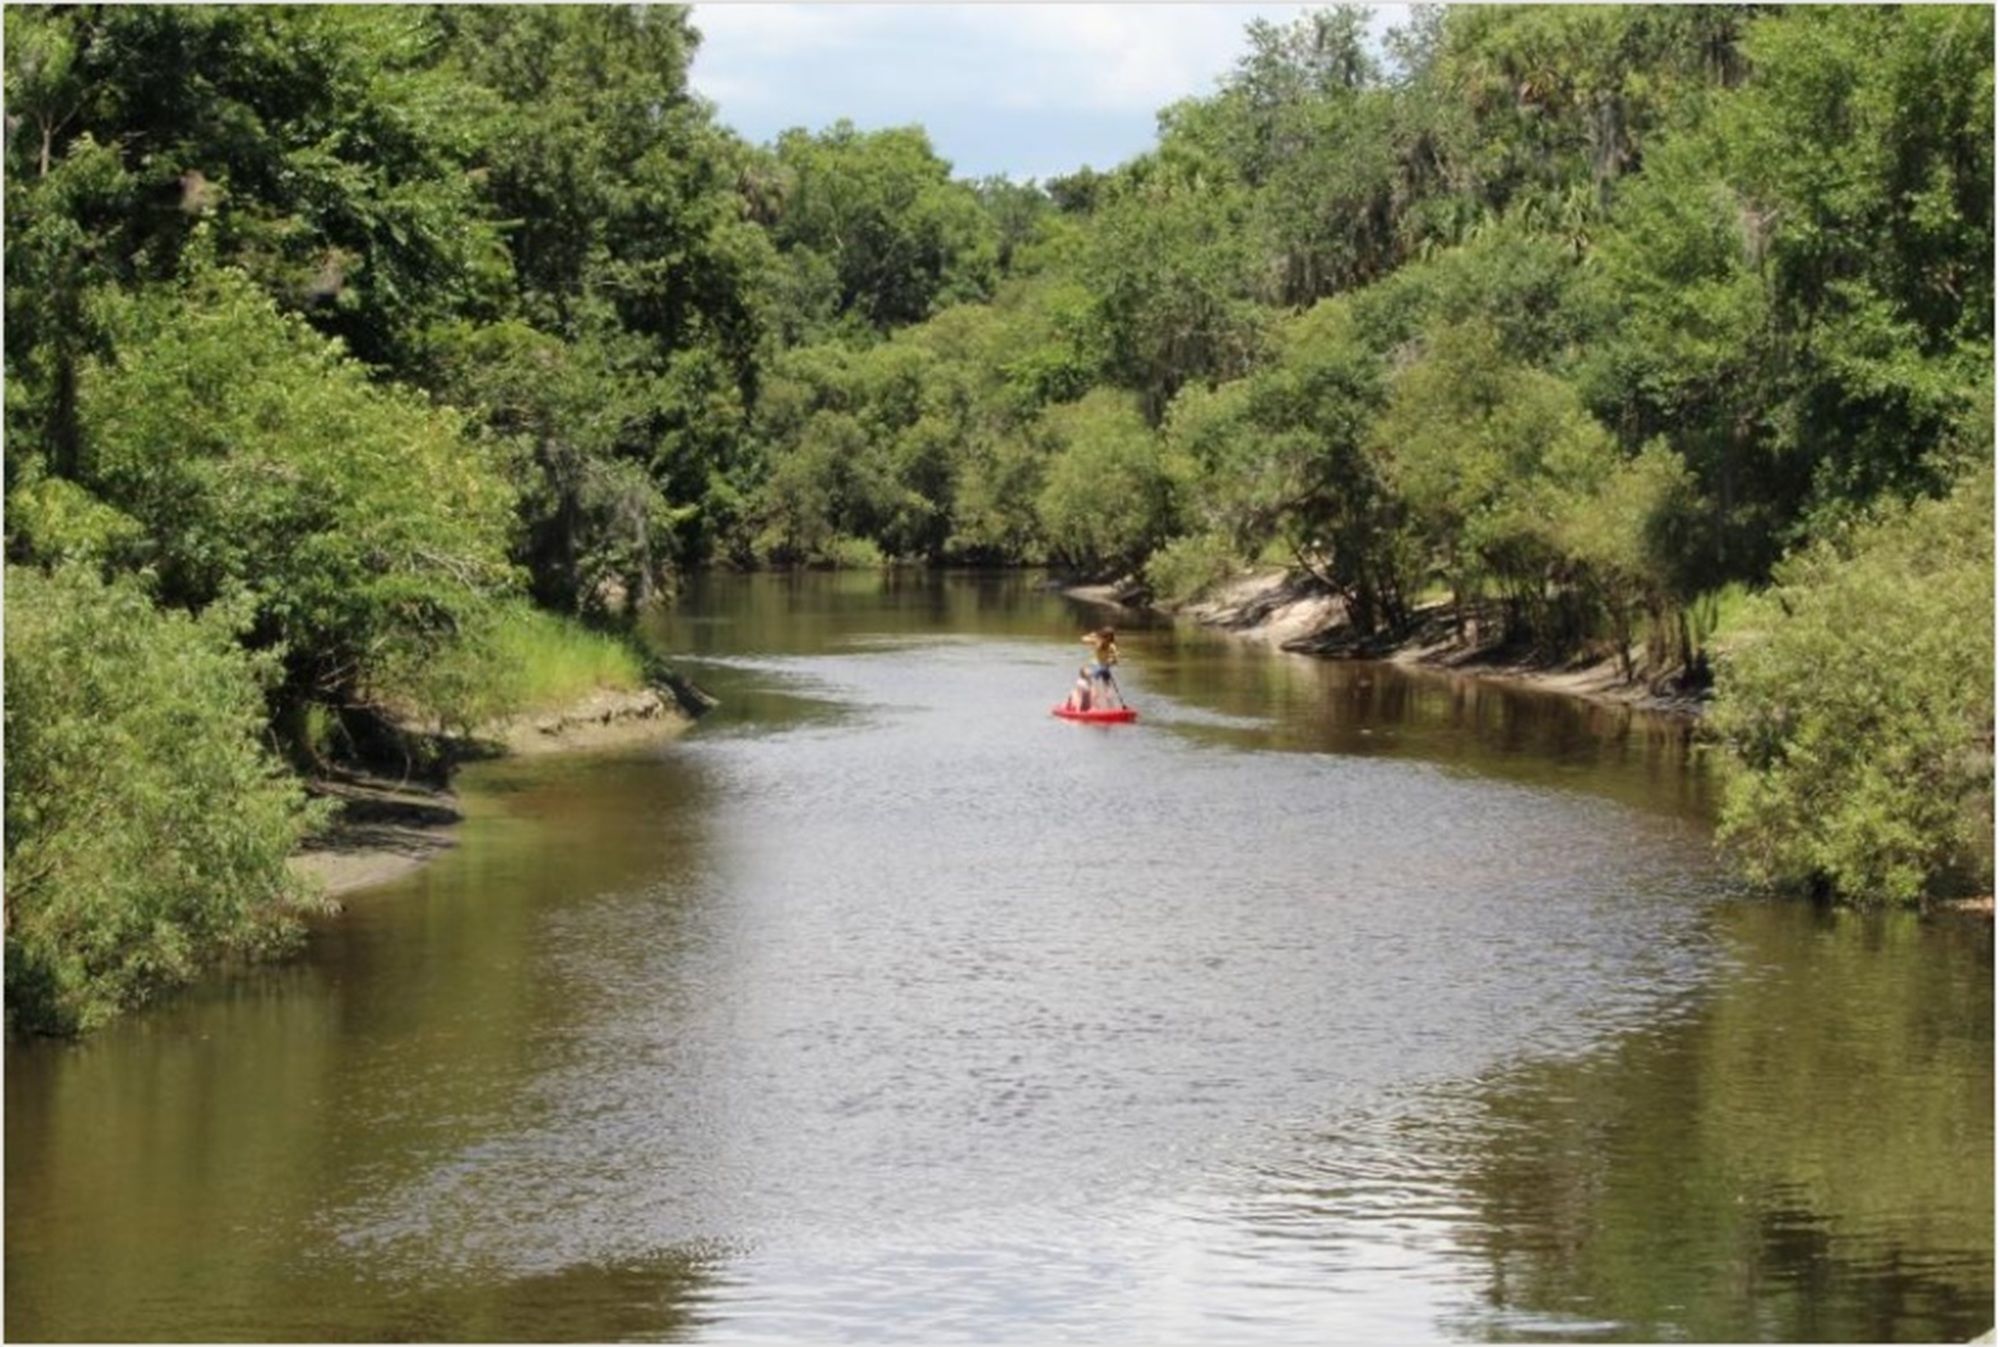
{"points": [[604, 719], [384, 828], [1296, 614], [1124, 596]]}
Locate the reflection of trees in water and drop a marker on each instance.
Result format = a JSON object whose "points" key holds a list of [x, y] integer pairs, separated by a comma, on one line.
{"points": [[1807, 1156], [191, 1173], [1802, 1152], [1887, 1295], [1370, 709], [654, 1298], [820, 612]]}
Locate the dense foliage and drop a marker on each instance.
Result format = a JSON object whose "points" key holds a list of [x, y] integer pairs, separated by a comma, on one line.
{"points": [[251, 457], [371, 324], [1860, 716], [147, 824]]}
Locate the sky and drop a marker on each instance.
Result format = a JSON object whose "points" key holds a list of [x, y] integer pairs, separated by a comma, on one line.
{"points": [[1028, 90]]}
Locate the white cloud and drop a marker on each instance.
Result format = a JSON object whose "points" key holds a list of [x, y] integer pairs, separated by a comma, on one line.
{"points": [[780, 29], [1042, 56], [1113, 57], [769, 66]]}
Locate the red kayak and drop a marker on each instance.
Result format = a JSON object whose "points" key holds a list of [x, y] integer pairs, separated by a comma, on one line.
{"points": [[1117, 715]]}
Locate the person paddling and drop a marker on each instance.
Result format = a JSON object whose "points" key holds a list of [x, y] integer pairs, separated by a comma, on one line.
{"points": [[1105, 654]]}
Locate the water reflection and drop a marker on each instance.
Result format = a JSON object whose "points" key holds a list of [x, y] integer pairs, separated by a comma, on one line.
{"points": [[1299, 703], [1330, 999], [1220, 688], [658, 1296], [186, 1174], [1799, 1153]]}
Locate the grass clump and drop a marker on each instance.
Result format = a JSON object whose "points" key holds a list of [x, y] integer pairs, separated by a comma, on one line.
{"points": [[546, 660], [514, 659]]}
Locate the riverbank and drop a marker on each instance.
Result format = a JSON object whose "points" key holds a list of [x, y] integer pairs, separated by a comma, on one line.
{"points": [[1297, 614], [606, 718], [383, 827]]}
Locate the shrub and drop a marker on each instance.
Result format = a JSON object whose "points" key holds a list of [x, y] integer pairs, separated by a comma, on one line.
{"points": [[1855, 705], [257, 457], [853, 554], [147, 826], [1187, 566]]}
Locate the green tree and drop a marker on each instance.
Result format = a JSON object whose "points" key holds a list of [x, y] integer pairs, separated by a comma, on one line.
{"points": [[1303, 122], [1020, 214], [1868, 137], [1797, 292], [1176, 279], [624, 204], [1629, 537], [1855, 708], [1564, 100], [879, 209], [579, 433], [147, 826], [65, 240], [1686, 347], [1108, 498], [325, 145], [259, 458], [1282, 458], [1489, 457]]}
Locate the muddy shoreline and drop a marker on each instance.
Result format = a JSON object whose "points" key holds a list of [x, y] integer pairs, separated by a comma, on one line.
{"points": [[384, 827]]}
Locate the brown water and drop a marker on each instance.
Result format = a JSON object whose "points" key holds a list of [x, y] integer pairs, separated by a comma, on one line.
{"points": [[1326, 1002]]}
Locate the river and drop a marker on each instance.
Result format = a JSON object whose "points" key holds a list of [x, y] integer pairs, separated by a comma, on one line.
{"points": [[1329, 1001]]}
